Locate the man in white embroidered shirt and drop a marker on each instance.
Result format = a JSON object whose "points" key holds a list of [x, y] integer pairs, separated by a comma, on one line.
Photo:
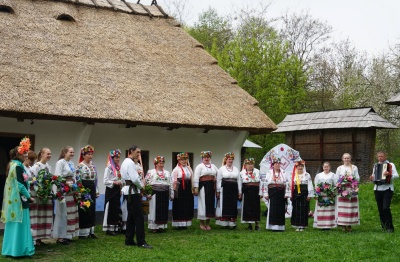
{"points": [[383, 190], [131, 192]]}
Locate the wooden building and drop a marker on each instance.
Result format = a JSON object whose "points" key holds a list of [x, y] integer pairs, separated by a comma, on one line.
{"points": [[325, 136]]}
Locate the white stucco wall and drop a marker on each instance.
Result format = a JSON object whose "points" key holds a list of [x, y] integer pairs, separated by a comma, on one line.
{"points": [[104, 137]]}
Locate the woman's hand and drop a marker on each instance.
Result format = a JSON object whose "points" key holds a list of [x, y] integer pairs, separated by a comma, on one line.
{"points": [[217, 195], [308, 198], [266, 197], [196, 191]]}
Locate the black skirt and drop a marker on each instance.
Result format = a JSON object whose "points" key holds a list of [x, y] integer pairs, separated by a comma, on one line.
{"points": [[300, 207], [209, 192], [230, 198], [87, 218], [251, 203], [162, 203], [112, 197], [183, 205], [277, 208]]}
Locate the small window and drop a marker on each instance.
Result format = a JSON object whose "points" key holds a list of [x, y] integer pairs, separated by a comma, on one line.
{"points": [[65, 17], [6, 9]]}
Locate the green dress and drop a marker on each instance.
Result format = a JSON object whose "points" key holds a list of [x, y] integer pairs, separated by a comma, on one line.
{"points": [[17, 241]]}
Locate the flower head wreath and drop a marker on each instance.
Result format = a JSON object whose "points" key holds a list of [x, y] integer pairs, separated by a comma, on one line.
{"points": [[24, 145]]}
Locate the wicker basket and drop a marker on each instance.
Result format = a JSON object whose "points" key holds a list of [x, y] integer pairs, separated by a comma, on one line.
{"points": [[145, 206]]}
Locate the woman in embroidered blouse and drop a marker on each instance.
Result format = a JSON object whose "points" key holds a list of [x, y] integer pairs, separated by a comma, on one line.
{"points": [[324, 215], [183, 200], [17, 239], [66, 221], [160, 181], [229, 190], [41, 210], [87, 173], [112, 204], [276, 192], [302, 191], [204, 187], [251, 194], [347, 207]]}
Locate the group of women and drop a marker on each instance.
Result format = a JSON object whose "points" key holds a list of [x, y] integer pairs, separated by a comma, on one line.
{"points": [[217, 189], [27, 189]]}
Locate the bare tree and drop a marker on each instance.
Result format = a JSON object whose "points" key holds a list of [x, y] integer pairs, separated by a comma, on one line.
{"points": [[179, 9]]}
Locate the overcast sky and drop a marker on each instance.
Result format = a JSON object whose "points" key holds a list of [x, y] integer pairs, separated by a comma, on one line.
{"points": [[371, 25]]}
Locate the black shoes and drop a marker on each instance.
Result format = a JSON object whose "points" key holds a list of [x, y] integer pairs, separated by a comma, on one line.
{"points": [[93, 236], [130, 243], [145, 245], [257, 228], [250, 227]]}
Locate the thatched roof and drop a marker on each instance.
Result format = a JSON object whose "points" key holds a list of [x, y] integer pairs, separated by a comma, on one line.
{"points": [[114, 62], [395, 100], [345, 118]]}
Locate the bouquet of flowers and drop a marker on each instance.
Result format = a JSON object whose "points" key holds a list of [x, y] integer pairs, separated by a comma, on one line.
{"points": [[62, 186], [43, 185], [82, 195], [347, 186], [326, 194], [147, 190]]}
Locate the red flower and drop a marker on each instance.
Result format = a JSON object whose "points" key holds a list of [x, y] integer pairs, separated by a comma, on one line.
{"points": [[282, 149], [54, 177], [79, 184], [66, 188], [58, 194]]}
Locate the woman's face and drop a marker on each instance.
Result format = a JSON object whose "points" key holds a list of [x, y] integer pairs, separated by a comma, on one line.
{"points": [[326, 168], [116, 159], [300, 169], [183, 161], [46, 155], [229, 161], [70, 154], [346, 159], [160, 165], [250, 167], [88, 157], [206, 160]]}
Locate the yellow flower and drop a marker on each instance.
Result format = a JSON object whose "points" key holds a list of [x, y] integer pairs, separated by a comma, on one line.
{"points": [[87, 204], [82, 189]]}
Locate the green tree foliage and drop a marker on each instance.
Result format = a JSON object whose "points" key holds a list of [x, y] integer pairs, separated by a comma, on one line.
{"points": [[260, 61]]}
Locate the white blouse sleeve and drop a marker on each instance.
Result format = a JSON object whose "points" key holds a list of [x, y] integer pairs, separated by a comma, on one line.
{"points": [[107, 182]]}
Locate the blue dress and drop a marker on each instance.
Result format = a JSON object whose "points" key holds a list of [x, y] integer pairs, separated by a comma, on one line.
{"points": [[17, 241]]}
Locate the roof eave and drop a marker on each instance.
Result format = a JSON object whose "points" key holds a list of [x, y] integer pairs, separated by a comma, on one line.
{"points": [[170, 126]]}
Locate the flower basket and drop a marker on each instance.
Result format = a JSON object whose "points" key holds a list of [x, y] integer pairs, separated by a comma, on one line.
{"points": [[325, 194]]}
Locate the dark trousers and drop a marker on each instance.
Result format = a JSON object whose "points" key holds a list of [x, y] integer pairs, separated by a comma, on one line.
{"points": [[383, 199], [135, 221]]}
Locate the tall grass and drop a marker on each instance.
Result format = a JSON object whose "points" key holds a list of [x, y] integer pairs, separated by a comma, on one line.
{"points": [[366, 243]]}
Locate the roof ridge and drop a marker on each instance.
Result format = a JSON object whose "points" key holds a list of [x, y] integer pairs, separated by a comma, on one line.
{"points": [[121, 6]]}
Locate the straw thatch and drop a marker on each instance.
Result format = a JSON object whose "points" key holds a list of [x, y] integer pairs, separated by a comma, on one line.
{"points": [[395, 100], [336, 119], [114, 62]]}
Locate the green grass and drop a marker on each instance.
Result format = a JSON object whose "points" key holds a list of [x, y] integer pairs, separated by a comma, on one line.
{"points": [[365, 243]]}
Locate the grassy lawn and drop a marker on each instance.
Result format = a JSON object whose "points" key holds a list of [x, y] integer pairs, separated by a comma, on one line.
{"points": [[365, 243]]}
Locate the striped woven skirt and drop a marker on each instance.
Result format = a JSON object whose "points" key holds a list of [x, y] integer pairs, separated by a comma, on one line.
{"points": [[41, 214], [347, 211], [66, 222], [324, 216], [183, 205]]}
